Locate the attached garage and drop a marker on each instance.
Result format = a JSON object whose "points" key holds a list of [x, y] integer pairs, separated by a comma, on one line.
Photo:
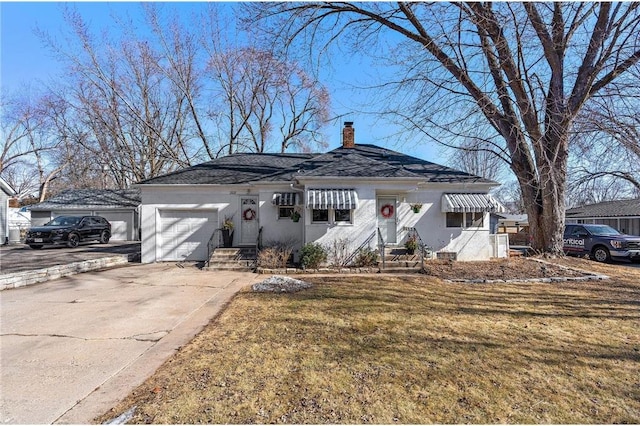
{"points": [[119, 207], [184, 234]]}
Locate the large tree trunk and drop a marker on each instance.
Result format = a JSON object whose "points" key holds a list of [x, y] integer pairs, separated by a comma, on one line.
{"points": [[545, 208]]}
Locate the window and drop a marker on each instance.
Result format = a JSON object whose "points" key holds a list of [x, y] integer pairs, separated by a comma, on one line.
{"points": [[454, 220], [469, 220], [285, 212], [474, 220], [341, 215], [320, 215]]}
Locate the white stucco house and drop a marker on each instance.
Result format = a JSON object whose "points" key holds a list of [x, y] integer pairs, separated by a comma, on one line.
{"points": [[354, 193], [6, 192]]}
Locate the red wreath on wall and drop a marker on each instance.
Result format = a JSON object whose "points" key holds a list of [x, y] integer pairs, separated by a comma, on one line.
{"points": [[387, 211], [249, 214]]}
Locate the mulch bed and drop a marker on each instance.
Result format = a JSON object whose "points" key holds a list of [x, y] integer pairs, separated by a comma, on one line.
{"points": [[503, 269]]}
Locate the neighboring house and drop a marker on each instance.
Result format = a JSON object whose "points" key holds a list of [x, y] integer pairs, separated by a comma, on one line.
{"points": [[516, 225], [624, 215], [120, 207], [19, 222], [354, 193], [6, 192]]}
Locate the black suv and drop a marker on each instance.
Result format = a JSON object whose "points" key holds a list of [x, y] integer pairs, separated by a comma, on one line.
{"points": [[601, 242], [70, 230]]}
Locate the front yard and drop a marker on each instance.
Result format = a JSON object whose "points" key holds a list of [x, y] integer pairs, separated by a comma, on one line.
{"points": [[410, 349]]}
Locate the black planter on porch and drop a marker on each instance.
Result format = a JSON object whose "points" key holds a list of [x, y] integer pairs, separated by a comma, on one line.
{"points": [[227, 237]]}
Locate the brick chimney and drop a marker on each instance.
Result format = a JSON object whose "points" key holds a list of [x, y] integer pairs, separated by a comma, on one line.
{"points": [[348, 135]]}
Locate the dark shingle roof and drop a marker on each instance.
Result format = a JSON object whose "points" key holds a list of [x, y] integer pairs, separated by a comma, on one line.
{"points": [[362, 161], [607, 209], [79, 199], [234, 169]]}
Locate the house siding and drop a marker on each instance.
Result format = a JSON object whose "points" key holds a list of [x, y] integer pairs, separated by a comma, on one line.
{"points": [[430, 222], [225, 201], [626, 225], [4, 216]]}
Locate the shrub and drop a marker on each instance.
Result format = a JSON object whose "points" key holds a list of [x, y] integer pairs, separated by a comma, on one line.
{"points": [[276, 254], [312, 255], [339, 252], [366, 257]]}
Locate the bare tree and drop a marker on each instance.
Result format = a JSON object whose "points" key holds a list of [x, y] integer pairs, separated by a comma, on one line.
{"points": [[606, 142], [268, 104], [131, 118], [29, 140], [476, 157], [523, 70], [24, 130], [138, 105]]}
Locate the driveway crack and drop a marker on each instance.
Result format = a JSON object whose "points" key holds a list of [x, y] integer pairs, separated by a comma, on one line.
{"points": [[153, 336]]}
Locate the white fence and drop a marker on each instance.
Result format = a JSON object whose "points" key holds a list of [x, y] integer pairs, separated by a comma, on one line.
{"points": [[499, 245]]}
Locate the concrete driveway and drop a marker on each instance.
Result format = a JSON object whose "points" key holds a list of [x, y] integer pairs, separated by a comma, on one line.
{"points": [[71, 348], [21, 257]]}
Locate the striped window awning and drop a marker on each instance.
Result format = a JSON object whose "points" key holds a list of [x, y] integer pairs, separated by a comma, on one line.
{"points": [[468, 203], [342, 199], [284, 199]]}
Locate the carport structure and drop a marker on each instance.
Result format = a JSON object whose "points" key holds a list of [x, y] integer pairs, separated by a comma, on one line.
{"points": [[120, 207]]}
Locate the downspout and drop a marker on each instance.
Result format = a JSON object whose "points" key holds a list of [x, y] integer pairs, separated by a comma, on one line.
{"points": [[304, 218], [6, 222]]}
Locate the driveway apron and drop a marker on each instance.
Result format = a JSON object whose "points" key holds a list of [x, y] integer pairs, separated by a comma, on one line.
{"points": [[71, 348]]}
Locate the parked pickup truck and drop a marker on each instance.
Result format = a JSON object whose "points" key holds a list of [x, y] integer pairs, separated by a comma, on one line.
{"points": [[601, 242]]}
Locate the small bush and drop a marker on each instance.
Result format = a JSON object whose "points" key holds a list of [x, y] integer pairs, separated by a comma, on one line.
{"points": [[313, 255], [339, 252], [272, 258], [366, 257], [275, 255]]}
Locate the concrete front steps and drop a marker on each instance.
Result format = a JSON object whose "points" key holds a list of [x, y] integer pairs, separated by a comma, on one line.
{"points": [[240, 259], [397, 260]]}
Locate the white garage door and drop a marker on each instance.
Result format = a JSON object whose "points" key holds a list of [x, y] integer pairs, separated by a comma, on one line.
{"points": [[184, 234], [121, 224]]}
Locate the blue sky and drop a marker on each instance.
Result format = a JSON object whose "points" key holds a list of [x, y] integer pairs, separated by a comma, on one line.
{"points": [[25, 60]]}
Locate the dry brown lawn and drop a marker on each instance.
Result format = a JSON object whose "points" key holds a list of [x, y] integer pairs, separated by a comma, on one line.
{"points": [[410, 349]]}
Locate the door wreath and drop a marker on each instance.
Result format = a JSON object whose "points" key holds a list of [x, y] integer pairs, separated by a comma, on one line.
{"points": [[249, 214], [387, 211]]}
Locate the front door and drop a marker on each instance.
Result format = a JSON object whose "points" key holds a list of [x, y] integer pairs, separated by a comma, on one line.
{"points": [[248, 220], [387, 219]]}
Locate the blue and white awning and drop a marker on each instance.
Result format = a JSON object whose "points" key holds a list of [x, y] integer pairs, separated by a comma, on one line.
{"points": [[340, 199], [284, 199], [468, 203]]}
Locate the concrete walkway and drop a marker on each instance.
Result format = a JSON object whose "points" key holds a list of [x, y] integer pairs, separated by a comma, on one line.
{"points": [[71, 348]]}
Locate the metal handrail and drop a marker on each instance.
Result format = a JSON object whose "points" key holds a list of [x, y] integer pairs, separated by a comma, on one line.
{"points": [[259, 240], [381, 247], [421, 245], [360, 247], [210, 245]]}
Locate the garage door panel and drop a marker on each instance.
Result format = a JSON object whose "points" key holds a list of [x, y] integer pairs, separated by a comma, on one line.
{"points": [[185, 233], [121, 224]]}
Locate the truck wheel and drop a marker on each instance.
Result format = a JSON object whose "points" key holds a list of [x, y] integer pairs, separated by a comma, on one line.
{"points": [[600, 254]]}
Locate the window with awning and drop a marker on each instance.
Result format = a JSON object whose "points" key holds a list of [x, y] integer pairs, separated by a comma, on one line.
{"points": [[284, 199], [338, 199], [470, 203]]}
